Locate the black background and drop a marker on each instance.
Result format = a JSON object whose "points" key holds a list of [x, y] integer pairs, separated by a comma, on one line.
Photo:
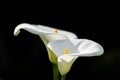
{"points": [[24, 57]]}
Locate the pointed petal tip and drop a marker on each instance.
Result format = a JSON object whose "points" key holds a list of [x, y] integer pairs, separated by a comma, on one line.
{"points": [[16, 32], [101, 51], [18, 27]]}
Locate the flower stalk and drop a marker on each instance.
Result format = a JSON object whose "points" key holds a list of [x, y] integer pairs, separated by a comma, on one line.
{"points": [[55, 72], [63, 77]]}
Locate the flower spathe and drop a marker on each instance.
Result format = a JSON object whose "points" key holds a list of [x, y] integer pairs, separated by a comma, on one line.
{"points": [[47, 34], [77, 48], [42, 30], [63, 46]]}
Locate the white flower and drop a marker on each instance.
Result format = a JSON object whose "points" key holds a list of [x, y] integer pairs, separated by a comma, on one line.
{"points": [[47, 34], [42, 30], [67, 51]]}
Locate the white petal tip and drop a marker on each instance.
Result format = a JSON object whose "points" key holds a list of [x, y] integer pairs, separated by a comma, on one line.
{"points": [[16, 32], [101, 51], [17, 29]]}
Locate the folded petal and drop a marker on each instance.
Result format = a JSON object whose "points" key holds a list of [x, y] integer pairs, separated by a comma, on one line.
{"points": [[68, 34], [39, 29], [29, 28], [87, 47], [78, 47], [65, 63]]}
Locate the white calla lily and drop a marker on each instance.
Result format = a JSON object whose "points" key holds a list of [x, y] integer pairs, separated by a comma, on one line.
{"points": [[76, 48], [47, 34], [63, 46], [40, 29]]}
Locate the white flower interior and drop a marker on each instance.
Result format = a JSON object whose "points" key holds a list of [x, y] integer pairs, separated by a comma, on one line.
{"points": [[59, 46]]}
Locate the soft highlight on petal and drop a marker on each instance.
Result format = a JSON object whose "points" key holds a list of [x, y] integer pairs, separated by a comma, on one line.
{"points": [[52, 37], [88, 48]]}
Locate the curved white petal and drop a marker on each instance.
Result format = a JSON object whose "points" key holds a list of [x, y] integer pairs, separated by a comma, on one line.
{"points": [[78, 47], [70, 35], [59, 46], [40, 29], [29, 28], [65, 63], [87, 47]]}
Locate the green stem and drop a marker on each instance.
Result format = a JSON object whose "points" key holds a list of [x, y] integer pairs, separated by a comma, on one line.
{"points": [[55, 72], [63, 77]]}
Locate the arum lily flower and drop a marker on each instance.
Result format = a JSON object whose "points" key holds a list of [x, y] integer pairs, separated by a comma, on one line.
{"points": [[47, 34], [68, 51]]}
